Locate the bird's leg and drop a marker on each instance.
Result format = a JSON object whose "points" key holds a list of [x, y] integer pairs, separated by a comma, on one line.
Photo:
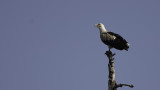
{"points": [[109, 49]]}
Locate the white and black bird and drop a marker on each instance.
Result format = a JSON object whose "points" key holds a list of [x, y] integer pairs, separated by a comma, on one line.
{"points": [[112, 40]]}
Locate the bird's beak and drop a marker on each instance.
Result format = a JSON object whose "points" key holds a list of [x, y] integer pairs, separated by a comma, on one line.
{"points": [[96, 25]]}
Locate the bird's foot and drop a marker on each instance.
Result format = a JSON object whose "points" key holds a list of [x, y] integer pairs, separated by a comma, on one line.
{"points": [[110, 53]]}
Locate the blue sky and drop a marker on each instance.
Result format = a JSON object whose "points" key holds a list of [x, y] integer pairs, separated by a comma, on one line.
{"points": [[53, 44]]}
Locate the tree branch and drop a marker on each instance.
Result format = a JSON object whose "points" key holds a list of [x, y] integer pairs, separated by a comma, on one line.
{"points": [[111, 81], [112, 85], [121, 85]]}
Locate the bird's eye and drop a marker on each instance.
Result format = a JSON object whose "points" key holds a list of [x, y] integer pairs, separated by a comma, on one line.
{"points": [[99, 25]]}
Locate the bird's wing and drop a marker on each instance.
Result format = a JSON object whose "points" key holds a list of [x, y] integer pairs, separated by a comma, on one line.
{"points": [[118, 36], [107, 36]]}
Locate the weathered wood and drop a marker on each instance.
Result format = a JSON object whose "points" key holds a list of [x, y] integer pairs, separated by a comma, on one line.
{"points": [[121, 85], [112, 85], [111, 81]]}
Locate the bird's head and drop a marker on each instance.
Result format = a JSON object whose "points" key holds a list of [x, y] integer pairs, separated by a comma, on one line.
{"points": [[101, 27]]}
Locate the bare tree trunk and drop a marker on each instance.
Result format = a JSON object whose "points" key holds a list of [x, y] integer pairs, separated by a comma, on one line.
{"points": [[112, 85]]}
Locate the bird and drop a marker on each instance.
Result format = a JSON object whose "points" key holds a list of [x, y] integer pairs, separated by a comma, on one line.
{"points": [[111, 39]]}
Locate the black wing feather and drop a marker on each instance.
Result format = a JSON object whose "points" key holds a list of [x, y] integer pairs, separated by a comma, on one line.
{"points": [[119, 42]]}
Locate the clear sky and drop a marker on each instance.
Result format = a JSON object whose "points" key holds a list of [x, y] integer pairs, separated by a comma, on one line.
{"points": [[53, 44]]}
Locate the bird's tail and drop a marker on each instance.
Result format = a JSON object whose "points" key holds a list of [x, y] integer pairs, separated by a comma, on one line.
{"points": [[127, 46]]}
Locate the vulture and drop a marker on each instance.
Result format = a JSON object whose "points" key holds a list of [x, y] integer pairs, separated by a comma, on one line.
{"points": [[111, 39]]}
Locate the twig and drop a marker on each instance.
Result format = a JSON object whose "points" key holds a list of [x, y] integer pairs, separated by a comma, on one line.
{"points": [[121, 85]]}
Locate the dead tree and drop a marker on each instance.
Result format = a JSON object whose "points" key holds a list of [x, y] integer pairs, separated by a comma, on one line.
{"points": [[112, 85]]}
